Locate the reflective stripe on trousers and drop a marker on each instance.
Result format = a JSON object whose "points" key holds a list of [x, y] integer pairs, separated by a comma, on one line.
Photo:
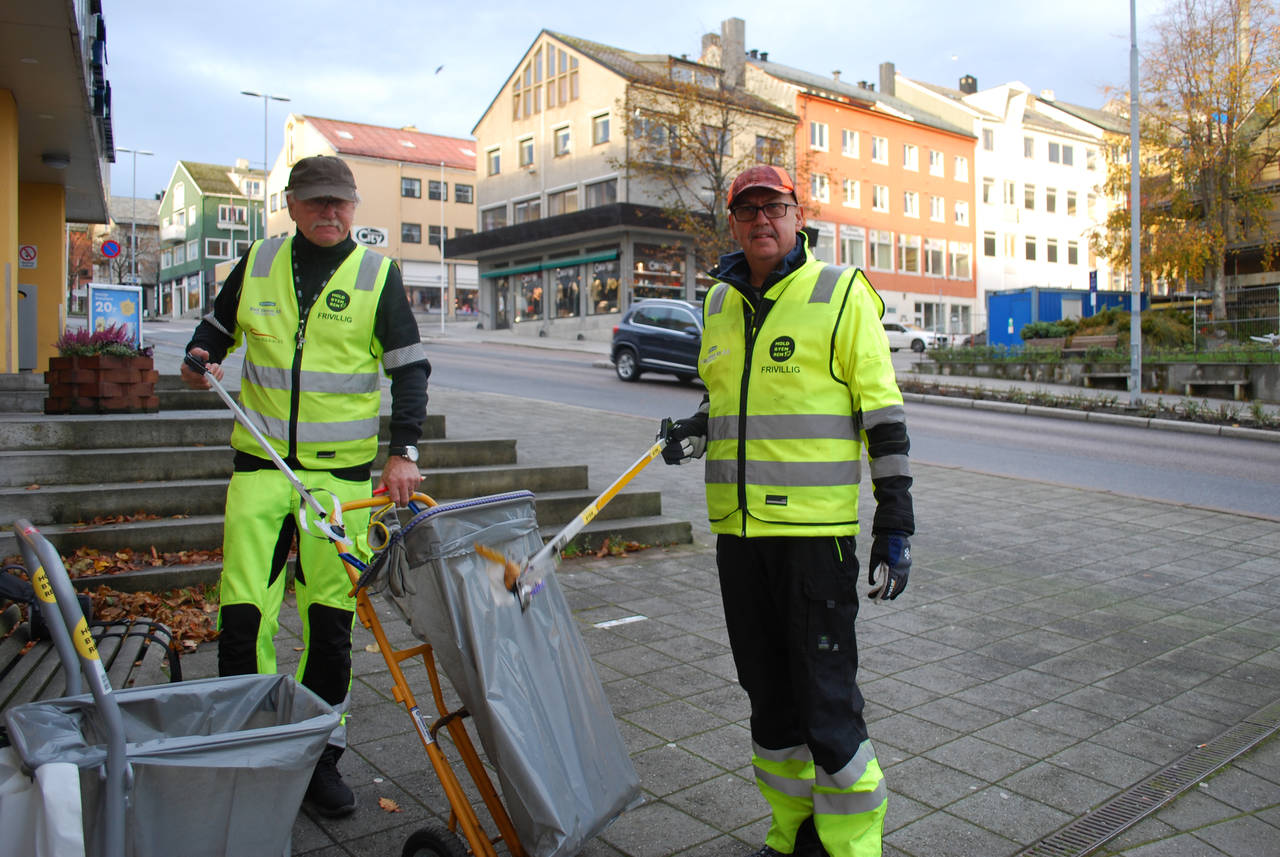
{"points": [[848, 807]]}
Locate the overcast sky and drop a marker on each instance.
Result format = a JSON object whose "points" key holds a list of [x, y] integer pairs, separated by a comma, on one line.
{"points": [[177, 68]]}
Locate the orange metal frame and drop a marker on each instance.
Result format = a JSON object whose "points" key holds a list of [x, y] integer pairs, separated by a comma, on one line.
{"points": [[462, 814]]}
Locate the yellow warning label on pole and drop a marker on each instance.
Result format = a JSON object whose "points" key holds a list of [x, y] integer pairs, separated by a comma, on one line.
{"points": [[84, 641], [44, 591]]}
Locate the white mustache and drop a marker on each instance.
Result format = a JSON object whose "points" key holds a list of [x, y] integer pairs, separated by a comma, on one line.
{"points": [[334, 223]]}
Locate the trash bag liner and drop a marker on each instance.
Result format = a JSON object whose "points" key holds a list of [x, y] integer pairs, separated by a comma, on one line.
{"points": [[526, 677], [220, 765]]}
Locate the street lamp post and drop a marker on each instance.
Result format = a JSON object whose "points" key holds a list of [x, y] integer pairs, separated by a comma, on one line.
{"points": [[133, 225], [266, 167]]}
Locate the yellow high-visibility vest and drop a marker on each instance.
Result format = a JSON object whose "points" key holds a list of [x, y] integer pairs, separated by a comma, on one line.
{"points": [[314, 388]]}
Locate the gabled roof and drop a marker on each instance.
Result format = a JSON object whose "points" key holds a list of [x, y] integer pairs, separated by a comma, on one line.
{"points": [[1104, 119], [214, 178], [869, 98], [395, 144], [126, 209], [955, 95], [651, 70]]}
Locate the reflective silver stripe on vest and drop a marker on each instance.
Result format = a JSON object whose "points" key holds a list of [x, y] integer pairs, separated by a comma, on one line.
{"points": [[786, 785], [272, 378], [844, 778], [398, 357], [826, 284], [266, 255], [209, 317], [367, 275], [271, 427], [717, 299], [799, 753], [883, 416], [890, 465], [338, 432], [785, 427], [786, 474], [849, 803]]}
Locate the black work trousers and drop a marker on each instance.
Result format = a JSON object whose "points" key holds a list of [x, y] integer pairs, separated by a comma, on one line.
{"points": [[790, 603]]}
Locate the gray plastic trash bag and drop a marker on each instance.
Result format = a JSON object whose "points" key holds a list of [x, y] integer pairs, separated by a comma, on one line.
{"points": [[526, 677], [220, 765]]}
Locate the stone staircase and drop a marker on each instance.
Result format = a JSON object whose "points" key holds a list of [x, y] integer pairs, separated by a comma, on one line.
{"points": [[170, 471]]}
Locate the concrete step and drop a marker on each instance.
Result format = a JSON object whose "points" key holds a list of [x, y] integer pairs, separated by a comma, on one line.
{"points": [[22, 392], [80, 467], [140, 431], [555, 507], [651, 530]]}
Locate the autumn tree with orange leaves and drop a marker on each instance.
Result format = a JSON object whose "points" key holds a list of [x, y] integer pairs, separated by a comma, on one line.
{"points": [[1208, 123]]}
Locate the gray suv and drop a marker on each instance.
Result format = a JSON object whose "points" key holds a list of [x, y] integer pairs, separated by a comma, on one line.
{"points": [[658, 335]]}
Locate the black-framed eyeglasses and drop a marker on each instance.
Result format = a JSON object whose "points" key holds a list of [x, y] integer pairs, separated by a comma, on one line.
{"points": [[772, 210]]}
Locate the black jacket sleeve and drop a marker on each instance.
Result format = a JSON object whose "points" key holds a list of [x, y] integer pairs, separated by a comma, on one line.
{"points": [[404, 359], [216, 331]]}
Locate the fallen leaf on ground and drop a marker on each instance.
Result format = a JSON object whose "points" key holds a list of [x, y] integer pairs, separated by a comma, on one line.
{"points": [[33, 487], [388, 805]]}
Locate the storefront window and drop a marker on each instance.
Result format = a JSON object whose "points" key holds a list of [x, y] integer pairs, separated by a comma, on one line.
{"points": [[568, 283], [604, 287], [464, 300], [528, 296], [659, 272]]}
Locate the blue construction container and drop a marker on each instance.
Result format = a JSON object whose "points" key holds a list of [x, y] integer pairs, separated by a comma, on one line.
{"points": [[1010, 311]]}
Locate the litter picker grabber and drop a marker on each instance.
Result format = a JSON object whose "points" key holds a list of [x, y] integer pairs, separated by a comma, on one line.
{"points": [[524, 581]]}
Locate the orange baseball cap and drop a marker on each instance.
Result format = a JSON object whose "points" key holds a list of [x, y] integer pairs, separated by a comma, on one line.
{"points": [[761, 175]]}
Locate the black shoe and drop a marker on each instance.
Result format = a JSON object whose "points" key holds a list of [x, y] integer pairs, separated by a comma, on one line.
{"points": [[807, 842], [766, 851], [327, 794]]}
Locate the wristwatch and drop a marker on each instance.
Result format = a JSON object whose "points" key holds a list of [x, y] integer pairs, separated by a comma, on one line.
{"points": [[409, 452]]}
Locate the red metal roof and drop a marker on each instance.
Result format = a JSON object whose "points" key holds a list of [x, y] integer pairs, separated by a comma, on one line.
{"points": [[396, 144]]}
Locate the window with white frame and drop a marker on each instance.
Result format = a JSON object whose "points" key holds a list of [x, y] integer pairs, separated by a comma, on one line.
{"points": [[1073, 253], [880, 243], [1091, 159], [879, 197], [1068, 156], [988, 139], [193, 250], [849, 143], [988, 191], [1028, 147], [962, 212], [879, 150], [525, 150], [166, 259], [909, 254], [853, 246], [275, 202], [1010, 192], [1071, 203], [561, 138], [819, 189], [232, 214], [562, 202], [911, 157], [180, 254], [493, 218], [493, 161], [852, 193], [769, 150], [179, 194], [180, 217], [242, 247], [1030, 245], [935, 257], [937, 208], [528, 210], [937, 163], [989, 244], [216, 248], [818, 135], [961, 168], [1029, 197], [911, 203], [599, 129], [437, 190], [1051, 250], [464, 193], [1051, 200], [961, 253]]}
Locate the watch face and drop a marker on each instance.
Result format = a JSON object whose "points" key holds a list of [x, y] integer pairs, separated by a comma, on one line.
{"points": [[410, 452]]}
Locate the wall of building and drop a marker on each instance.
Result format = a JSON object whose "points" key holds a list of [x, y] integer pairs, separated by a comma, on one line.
{"points": [[43, 224], [9, 230]]}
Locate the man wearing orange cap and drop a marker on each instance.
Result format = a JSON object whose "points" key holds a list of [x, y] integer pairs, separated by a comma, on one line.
{"points": [[799, 378]]}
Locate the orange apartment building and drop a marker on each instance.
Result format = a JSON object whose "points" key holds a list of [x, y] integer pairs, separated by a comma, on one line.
{"points": [[888, 186]]}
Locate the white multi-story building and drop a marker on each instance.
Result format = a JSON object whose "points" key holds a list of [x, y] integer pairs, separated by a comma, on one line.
{"points": [[1039, 166]]}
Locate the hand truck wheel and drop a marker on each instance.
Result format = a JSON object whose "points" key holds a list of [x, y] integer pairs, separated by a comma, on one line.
{"points": [[435, 840]]}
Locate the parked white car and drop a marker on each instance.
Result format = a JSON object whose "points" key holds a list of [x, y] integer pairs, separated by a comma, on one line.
{"points": [[910, 336]]}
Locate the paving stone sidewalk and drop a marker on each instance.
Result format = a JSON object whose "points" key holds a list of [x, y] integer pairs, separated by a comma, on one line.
{"points": [[1055, 647]]}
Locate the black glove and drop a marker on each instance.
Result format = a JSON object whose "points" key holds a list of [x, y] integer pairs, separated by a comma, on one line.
{"points": [[890, 565], [686, 439]]}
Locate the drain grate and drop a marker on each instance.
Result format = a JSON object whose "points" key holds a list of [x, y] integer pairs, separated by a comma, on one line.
{"points": [[1129, 807]]}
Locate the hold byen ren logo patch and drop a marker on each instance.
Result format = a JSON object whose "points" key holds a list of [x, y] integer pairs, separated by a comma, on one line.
{"points": [[338, 300], [780, 351]]}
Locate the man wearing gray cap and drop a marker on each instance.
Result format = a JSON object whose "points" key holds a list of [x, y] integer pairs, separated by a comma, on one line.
{"points": [[318, 314]]}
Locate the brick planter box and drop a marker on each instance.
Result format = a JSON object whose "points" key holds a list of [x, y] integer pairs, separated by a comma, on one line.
{"points": [[101, 384]]}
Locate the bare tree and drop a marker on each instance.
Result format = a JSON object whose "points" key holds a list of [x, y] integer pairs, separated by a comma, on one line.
{"points": [[688, 143], [148, 252], [1208, 117]]}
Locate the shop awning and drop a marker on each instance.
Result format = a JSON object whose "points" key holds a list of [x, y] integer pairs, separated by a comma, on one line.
{"points": [[553, 263]]}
